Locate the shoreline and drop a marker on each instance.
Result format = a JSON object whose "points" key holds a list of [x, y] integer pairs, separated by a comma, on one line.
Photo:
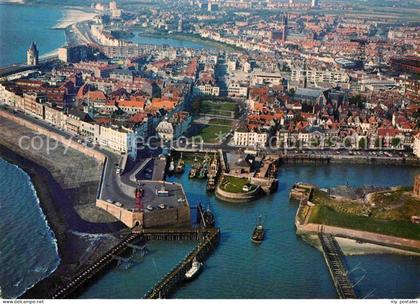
{"points": [[65, 227], [73, 15], [53, 239], [351, 247]]}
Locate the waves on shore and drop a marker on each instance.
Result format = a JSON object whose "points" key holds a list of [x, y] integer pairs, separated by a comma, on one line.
{"points": [[29, 250], [72, 16]]}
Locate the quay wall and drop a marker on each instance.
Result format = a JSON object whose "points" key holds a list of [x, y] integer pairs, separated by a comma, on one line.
{"points": [[370, 237], [411, 161], [175, 217], [129, 218], [237, 197]]}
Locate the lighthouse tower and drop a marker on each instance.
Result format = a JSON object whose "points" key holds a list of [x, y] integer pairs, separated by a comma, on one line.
{"points": [[32, 55]]}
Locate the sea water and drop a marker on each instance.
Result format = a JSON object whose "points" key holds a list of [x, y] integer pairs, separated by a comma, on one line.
{"points": [[283, 266], [28, 248]]}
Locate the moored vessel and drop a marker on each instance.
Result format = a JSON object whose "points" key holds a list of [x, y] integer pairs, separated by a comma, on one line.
{"points": [[258, 234], [194, 271], [171, 167], [209, 218], [180, 166]]}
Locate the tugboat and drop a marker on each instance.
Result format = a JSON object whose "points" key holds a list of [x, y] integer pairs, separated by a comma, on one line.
{"points": [[180, 166], [209, 218], [195, 269], [211, 184], [258, 234]]}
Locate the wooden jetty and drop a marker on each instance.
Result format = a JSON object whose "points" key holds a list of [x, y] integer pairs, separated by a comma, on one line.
{"points": [[92, 271], [334, 258], [209, 239]]}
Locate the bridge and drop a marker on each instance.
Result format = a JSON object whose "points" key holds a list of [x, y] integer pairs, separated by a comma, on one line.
{"points": [[92, 271], [333, 256]]}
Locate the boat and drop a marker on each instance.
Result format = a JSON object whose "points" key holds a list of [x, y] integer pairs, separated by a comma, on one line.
{"points": [[171, 167], [203, 171], [180, 166], [193, 173], [150, 208], [162, 206], [258, 234], [209, 217], [211, 184], [194, 271], [196, 167]]}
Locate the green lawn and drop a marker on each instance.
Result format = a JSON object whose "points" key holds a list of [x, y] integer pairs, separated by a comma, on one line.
{"points": [[328, 216], [218, 108], [234, 184], [220, 121], [211, 133]]}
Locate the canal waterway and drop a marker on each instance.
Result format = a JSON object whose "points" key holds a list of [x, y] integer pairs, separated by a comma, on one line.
{"points": [[283, 266]]}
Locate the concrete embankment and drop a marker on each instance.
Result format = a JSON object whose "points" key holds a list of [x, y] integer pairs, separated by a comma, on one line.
{"points": [[237, 197], [363, 236], [353, 159], [66, 183]]}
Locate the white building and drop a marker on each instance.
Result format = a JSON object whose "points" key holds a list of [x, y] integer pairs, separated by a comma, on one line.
{"points": [[10, 98], [206, 89], [237, 90], [416, 145], [315, 77], [116, 138], [266, 78], [250, 138]]}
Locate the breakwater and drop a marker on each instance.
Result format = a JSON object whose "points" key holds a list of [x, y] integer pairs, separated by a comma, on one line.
{"points": [[208, 241]]}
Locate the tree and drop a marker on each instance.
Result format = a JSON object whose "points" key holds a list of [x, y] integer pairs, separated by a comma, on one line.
{"points": [[395, 142], [379, 142], [363, 143], [358, 100]]}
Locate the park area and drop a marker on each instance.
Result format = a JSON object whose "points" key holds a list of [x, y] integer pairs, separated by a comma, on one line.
{"points": [[236, 184], [386, 212], [214, 119], [217, 108]]}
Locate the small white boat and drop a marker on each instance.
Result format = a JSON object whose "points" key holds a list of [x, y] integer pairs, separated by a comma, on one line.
{"points": [[195, 269], [171, 166], [162, 206], [150, 208]]}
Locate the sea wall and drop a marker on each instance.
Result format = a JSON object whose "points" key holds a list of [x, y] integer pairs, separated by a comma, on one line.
{"points": [[65, 141], [370, 237], [129, 218], [157, 218]]}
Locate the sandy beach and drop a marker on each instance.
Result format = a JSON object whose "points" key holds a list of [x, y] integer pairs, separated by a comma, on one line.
{"points": [[72, 16]]}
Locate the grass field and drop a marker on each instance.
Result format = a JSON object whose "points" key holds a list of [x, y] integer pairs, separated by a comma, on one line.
{"points": [[226, 109], [328, 216], [220, 121], [234, 184], [213, 133]]}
